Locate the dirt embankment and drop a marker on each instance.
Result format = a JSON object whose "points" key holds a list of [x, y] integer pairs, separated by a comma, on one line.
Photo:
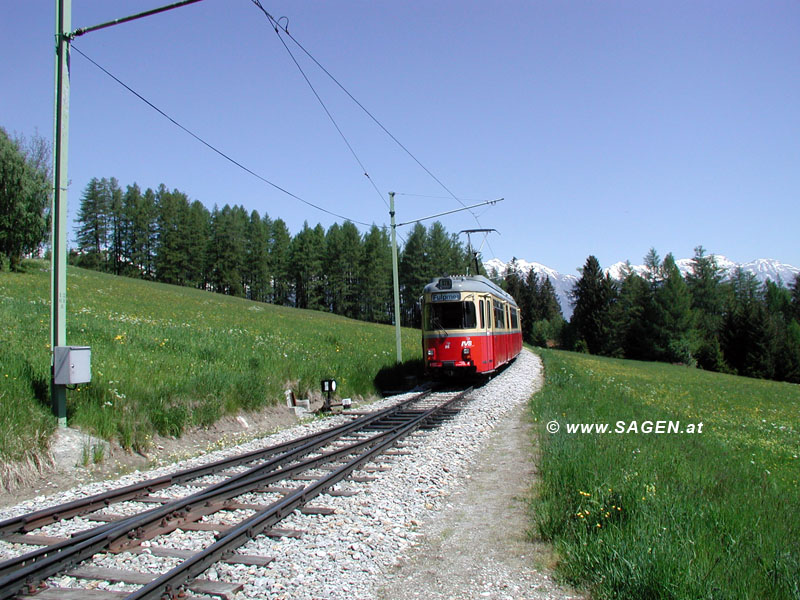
{"points": [[73, 454]]}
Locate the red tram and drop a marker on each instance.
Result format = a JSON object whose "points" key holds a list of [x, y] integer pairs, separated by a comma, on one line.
{"points": [[469, 325]]}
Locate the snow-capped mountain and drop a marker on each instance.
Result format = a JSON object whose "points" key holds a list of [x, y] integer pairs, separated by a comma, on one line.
{"points": [[562, 284], [767, 268], [762, 268]]}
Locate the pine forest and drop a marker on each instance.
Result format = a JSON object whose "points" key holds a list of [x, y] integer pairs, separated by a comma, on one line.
{"points": [[734, 325]]}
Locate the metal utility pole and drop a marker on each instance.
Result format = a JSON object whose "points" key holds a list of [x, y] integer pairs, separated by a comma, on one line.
{"points": [[396, 278], [394, 258], [58, 283]]}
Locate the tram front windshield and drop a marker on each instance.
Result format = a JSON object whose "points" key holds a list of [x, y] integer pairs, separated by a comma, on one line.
{"points": [[450, 315]]}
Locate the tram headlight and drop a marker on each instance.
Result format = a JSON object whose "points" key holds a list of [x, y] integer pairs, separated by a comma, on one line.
{"points": [[465, 353], [431, 353]]}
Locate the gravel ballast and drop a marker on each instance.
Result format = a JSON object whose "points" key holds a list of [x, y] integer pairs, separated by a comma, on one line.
{"points": [[358, 552]]}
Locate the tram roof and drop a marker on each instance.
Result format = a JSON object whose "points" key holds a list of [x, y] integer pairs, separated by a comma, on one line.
{"points": [[468, 283]]}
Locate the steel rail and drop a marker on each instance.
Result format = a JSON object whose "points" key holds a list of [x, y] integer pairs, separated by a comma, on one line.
{"points": [[172, 584], [37, 519], [313, 442], [16, 573]]}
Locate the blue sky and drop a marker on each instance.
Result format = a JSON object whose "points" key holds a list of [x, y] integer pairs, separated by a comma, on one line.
{"points": [[608, 127]]}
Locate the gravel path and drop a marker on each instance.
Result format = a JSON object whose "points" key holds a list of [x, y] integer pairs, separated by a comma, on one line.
{"points": [[478, 547], [411, 533]]}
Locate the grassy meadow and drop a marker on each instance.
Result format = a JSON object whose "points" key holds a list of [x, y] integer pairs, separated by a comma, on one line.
{"points": [[669, 515], [165, 358]]}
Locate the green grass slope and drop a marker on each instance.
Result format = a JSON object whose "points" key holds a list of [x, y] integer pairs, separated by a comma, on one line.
{"points": [[669, 515], [166, 357]]}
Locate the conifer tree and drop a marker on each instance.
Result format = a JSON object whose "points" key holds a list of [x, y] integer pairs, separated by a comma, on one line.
{"points": [[540, 311], [778, 300], [139, 232], [195, 245], [350, 265], [630, 317], [705, 285], [747, 336], [117, 226], [747, 340], [334, 269], [744, 287], [307, 255], [279, 260], [130, 198], [549, 307], [513, 282], [786, 350], [535, 326], [795, 289], [266, 224], [704, 281], [592, 296], [375, 286], [228, 231], [650, 341], [790, 363], [257, 258], [316, 288], [92, 233], [234, 257], [414, 273], [444, 254], [653, 274], [172, 255], [531, 306], [149, 216], [672, 329]]}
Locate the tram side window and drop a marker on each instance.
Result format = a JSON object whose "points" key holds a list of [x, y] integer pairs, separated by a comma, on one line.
{"points": [[470, 320], [451, 315], [482, 313], [514, 319], [499, 315]]}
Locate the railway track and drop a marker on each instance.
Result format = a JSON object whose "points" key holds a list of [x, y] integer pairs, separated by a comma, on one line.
{"points": [[236, 499]]}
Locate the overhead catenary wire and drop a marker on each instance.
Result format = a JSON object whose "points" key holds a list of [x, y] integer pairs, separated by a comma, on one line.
{"points": [[277, 29], [285, 29], [438, 197], [480, 214], [212, 147]]}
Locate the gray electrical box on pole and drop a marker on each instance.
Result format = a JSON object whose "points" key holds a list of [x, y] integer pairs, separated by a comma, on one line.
{"points": [[72, 365]]}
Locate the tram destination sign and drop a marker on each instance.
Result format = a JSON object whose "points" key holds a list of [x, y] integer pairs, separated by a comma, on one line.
{"points": [[448, 297]]}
